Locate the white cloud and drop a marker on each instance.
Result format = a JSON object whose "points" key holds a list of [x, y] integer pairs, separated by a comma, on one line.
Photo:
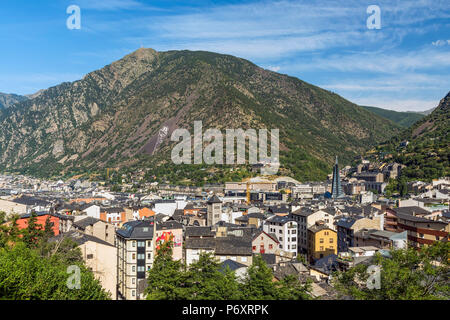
{"points": [[440, 43], [274, 68], [398, 104]]}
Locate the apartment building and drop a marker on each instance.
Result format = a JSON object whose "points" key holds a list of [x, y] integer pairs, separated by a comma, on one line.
{"points": [[285, 229], [306, 218], [322, 241], [135, 255], [348, 226], [422, 231], [99, 256]]}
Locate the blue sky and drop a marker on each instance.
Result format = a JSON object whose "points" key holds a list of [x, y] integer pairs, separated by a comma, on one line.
{"points": [[405, 65]]}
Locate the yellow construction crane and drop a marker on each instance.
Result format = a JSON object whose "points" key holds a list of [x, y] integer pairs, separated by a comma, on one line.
{"points": [[248, 192]]}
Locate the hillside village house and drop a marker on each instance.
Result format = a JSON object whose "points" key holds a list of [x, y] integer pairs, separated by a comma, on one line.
{"points": [[96, 227], [264, 242], [115, 216], [224, 243]]}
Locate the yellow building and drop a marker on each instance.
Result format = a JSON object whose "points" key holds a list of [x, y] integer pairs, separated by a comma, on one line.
{"points": [[322, 241]]}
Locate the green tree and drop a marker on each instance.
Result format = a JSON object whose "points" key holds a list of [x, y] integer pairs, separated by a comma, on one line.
{"points": [[258, 284], [167, 278], [48, 229], [33, 233], [408, 274], [290, 288], [25, 275]]}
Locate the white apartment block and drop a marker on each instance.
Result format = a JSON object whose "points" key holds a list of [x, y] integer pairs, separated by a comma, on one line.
{"points": [[285, 230]]}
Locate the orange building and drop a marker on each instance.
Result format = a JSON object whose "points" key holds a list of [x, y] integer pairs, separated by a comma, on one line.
{"points": [[115, 216], [22, 222]]}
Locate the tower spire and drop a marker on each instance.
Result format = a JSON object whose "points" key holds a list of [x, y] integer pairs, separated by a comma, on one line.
{"points": [[336, 188]]}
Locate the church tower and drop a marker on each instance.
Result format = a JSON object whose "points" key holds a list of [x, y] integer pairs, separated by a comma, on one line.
{"points": [[214, 209]]}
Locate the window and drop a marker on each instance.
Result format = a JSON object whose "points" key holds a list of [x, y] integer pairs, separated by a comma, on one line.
{"points": [[133, 280], [331, 240], [270, 246], [133, 293], [233, 258], [254, 248], [141, 268], [149, 256], [133, 269], [141, 256], [321, 248], [133, 243], [141, 244], [321, 240], [90, 256], [149, 243], [133, 256], [421, 235]]}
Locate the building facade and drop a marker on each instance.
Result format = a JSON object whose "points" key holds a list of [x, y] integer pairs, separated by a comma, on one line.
{"points": [[135, 255]]}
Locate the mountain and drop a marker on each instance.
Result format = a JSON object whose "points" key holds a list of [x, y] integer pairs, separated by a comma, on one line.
{"points": [[427, 112], [403, 119], [112, 118], [7, 100], [427, 154]]}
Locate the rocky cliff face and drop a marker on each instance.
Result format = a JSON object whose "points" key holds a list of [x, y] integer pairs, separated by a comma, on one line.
{"points": [[7, 100], [113, 117]]}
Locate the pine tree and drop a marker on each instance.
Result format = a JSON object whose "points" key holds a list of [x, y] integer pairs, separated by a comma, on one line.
{"points": [[48, 229], [33, 232], [259, 285]]}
